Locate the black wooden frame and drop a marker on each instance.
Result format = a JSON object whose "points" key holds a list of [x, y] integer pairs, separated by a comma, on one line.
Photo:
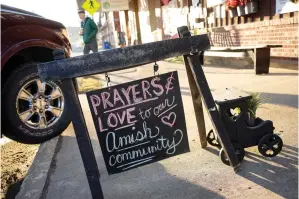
{"points": [[192, 47]]}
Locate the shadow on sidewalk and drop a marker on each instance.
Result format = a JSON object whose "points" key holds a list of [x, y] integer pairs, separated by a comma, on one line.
{"points": [[280, 177], [68, 179], [153, 181], [279, 174], [281, 99]]}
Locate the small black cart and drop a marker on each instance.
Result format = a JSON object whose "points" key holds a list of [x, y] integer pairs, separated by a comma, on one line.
{"points": [[240, 133]]}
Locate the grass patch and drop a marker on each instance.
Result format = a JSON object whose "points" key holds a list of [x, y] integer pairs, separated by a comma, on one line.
{"points": [[90, 83], [177, 60]]}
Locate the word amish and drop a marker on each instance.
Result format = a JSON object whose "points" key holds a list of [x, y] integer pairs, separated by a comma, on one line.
{"points": [[139, 122]]}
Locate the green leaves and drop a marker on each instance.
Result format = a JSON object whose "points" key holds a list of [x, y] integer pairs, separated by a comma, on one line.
{"points": [[254, 103]]}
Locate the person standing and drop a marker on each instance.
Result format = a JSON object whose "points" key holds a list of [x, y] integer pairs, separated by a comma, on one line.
{"points": [[89, 31]]}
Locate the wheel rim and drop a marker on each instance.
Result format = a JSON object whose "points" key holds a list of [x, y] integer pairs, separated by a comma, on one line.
{"points": [[212, 140], [240, 153], [223, 157], [270, 146], [39, 105]]}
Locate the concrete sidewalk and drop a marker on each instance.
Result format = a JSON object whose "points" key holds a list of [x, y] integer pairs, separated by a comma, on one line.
{"points": [[200, 173]]}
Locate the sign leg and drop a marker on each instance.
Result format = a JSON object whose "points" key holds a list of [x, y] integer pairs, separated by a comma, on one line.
{"points": [[196, 98], [208, 99], [83, 139], [194, 63], [197, 104]]}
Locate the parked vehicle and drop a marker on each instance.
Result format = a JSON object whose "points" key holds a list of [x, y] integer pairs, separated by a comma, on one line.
{"points": [[32, 111]]}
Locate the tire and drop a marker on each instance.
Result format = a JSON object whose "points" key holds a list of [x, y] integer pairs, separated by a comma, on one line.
{"points": [[240, 153], [270, 145], [212, 139], [48, 125]]}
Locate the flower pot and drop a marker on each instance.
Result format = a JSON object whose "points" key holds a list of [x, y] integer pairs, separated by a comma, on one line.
{"points": [[241, 10], [250, 119], [233, 12], [251, 7]]}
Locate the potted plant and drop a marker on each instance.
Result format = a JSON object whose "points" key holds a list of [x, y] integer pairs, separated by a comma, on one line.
{"points": [[253, 104], [251, 7]]}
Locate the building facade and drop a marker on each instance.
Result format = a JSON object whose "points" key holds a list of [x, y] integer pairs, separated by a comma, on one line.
{"points": [[153, 20]]}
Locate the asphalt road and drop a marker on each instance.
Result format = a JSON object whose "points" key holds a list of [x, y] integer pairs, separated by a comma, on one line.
{"points": [[199, 173]]}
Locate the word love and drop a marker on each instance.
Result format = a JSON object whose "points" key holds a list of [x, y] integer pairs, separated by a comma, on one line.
{"points": [[118, 119]]}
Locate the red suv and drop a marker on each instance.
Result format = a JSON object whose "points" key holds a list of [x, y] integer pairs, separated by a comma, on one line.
{"points": [[32, 111]]}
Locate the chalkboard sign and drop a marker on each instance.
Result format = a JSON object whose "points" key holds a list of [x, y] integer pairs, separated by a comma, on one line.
{"points": [[139, 122]]}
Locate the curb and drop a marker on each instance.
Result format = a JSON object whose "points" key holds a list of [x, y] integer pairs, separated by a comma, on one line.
{"points": [[36, 178]]}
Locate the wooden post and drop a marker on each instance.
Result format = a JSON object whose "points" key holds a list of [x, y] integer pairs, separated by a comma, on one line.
{"points": [[197, 103], [135, 3], [261, 60], [127, 27]]}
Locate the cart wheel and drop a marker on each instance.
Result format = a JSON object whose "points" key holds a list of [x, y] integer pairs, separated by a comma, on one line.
{"points": [[240, 152], [270, 145], [212, 140]]}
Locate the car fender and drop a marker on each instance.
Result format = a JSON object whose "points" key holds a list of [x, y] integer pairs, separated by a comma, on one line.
{"points": [[31, 36]]}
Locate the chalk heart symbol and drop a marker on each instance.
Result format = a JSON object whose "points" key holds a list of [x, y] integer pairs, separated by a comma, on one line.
{"points": [[170, 119]]}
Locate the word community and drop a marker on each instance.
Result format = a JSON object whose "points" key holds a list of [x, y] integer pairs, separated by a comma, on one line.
{"points": [[139, 122]]}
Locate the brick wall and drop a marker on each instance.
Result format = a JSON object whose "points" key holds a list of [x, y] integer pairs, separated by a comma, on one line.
{"points": [[272, 32], [264, 27]]}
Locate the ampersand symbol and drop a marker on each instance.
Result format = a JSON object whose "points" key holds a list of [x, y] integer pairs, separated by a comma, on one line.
{"points": [[169, 83]]}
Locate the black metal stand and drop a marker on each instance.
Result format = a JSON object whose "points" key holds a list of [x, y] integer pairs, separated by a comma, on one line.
{"points": [[212, 110], [67, 70], [82, 136]]}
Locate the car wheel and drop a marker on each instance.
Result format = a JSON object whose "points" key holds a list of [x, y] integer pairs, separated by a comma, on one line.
{"points": [[34, 112]]}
